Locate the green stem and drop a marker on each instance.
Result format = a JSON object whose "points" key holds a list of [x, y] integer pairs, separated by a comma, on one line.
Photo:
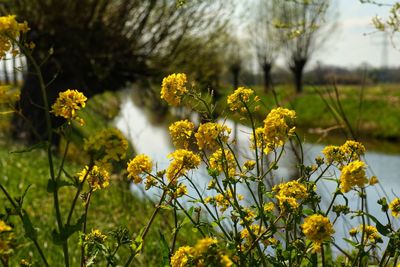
{"points": [[83, 259]]}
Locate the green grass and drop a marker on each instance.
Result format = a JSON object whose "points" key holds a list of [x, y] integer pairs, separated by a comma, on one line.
{"points": [[110, 208]]}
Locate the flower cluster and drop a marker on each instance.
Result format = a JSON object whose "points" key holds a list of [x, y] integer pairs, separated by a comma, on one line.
{"points": [[139, 165], [223, 162], [182, 161], [317, 228], [223, 200], [205, 253], [353, 175], [371, 235], [349, 151], [97, 177], [181, 132], [241, 96], [106, 146], [288, 194], [278, 126], [210, 133], [68, 103], [173, 88], [10, 30]]}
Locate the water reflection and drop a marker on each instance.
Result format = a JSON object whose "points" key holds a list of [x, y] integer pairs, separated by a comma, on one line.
{"points": [[154, 141]]}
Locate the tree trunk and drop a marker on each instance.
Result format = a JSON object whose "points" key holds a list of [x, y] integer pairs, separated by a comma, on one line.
{"points": [[14, 69], [297, 69], [5, 72], [267, 76], [235, 70]]}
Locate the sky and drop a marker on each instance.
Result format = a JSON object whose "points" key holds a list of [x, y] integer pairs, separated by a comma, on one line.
{"points": [[355, 40]]}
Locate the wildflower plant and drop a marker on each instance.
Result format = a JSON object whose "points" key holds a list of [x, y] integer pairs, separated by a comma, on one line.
{"points": [[245, 217]]}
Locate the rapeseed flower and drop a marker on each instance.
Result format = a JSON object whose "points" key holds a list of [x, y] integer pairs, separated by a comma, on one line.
{"points": [[139, 165], [10, 30], [4, 227], [68, 103], [182, 257], [182, 161], [288, 194], [181, 133], [239, 97], [106, 146], [353, 175], [395, 207], [223, 200], [370, 233], [223, 162], [208, 134], [278, 126], [317, 228], [98, 178], [173, 88]]}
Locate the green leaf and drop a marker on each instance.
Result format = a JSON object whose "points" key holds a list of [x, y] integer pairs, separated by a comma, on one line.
{"points": [[40, 145], [30, 232], [308, 212], [164, 251], [351, 242]]}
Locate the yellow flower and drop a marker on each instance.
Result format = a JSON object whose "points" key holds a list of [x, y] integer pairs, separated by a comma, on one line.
{"points": [[349, 151], [182, 257], [96, 235], [278, 126], [317, 228], [239, 97], [269, 207], [204, 244], [173, 88], [333, 154], [68, 103], [371, 234], [222, 200], [225, 261], [249, 165], [183, 160], [98, 178], [353, 175], [208, 134], [256, 230], [395, 207], [138, 165], [224, 163], [10, 30], [260, 140], [181, 132], [178, 191], [288, 194], [4, 227], [353, 149], [373, 180], [106, 145]]}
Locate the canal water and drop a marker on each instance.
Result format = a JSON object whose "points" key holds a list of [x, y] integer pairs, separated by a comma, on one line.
{"points": [[154, 141]]}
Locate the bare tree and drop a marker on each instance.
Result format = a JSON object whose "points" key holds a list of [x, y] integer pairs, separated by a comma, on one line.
{"points": [[265, 36], [301, 23]]}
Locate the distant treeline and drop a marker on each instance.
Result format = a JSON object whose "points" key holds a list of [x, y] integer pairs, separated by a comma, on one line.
{"points": [[326, 74]]}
